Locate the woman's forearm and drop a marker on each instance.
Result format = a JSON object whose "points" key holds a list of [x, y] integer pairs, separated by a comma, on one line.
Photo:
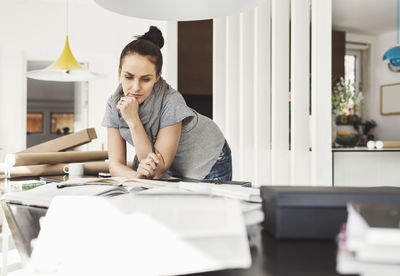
{"points": [[141, 141], [118, 169]]}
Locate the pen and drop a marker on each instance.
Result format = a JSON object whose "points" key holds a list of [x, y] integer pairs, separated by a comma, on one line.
{"points": [[49, 180], [60, 186]]}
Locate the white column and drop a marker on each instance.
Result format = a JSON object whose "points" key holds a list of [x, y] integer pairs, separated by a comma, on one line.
{"points": [[321, 92], [232, 92], [219, 91], [280, 92], [81, 106], [170, 52], [262, 94], [246, 122], [13, 100], [300, 161]]}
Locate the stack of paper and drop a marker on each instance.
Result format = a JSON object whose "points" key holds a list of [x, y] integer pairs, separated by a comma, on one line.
{"points": [[252, 212], [224, 190], [370, 242], [141, 235]]}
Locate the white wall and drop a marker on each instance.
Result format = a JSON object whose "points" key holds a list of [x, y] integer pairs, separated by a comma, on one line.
{"points": [[388, 127], [35, 30]]}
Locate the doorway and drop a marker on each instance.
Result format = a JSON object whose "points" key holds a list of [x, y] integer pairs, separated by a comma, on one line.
{"points": [[54, 108]]}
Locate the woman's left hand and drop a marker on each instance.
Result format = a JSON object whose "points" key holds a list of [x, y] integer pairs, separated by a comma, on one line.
{"points": [[147, 166], [129, 109]]}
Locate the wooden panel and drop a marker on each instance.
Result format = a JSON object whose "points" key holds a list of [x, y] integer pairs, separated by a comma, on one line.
{"points": [[262, 94], [219, 95], [338, 53], [195, 57], [280, 92], [247, 94], [321, 160], [232, 87], [300, 162]]}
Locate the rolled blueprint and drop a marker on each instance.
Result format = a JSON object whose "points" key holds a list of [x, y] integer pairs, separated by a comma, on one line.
{"points": [[21, 159], [90, 168]]}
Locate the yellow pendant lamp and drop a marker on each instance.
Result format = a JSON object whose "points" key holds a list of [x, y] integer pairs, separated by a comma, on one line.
{"points": [[66, 61], [66, 68]]}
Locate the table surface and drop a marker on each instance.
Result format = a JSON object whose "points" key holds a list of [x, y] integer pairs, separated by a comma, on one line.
{"points": [[270, 257], [365, 149]]}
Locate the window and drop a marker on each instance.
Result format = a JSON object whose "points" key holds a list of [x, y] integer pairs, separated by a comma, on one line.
{"points": [[353, 67], [62, 123], [34, 123]]}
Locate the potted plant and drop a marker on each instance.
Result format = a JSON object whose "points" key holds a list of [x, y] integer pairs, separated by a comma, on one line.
{"points": [[346, 104], [346, 98]]}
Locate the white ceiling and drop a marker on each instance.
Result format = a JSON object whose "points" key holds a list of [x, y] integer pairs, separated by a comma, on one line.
{"points": [[364, 16]]}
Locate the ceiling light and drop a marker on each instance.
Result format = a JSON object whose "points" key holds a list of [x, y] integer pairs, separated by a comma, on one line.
{"points": [[65, 68], [178, 10]]}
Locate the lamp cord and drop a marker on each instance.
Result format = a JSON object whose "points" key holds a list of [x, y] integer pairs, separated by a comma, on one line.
{"points": [[66, 14]]}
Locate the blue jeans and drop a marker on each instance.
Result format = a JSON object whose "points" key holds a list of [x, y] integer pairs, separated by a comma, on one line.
{"points": [[222, 169]]}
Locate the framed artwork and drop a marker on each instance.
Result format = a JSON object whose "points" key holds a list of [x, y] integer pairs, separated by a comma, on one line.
{"points": [[62, 123], [34, 122], [390, 99]]}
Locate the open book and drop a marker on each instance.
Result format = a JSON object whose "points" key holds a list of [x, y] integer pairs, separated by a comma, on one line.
{"points": [[43, 195], [224, 190], [126, 182]]}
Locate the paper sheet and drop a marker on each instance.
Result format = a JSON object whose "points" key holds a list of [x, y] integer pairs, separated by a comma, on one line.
{"points": [[141, 236]]}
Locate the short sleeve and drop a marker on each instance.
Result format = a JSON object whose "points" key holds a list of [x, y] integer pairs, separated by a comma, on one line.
{"points": [[110, 118], [174, 110]]}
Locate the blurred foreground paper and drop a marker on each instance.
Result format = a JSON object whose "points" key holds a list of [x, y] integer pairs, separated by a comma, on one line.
{"points": [[137, 235]]}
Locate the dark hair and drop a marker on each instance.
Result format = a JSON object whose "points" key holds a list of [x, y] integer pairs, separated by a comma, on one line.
{"points": [[148, 45]]}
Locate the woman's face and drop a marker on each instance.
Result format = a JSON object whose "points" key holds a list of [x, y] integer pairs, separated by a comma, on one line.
{"points": [[138, 76]]}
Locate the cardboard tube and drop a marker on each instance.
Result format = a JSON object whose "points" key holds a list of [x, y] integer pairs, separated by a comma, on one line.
{"points": [[21, 159], [90, 168]]}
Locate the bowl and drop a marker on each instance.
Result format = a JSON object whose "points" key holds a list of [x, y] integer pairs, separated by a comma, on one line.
{"points": [[348, 140]]}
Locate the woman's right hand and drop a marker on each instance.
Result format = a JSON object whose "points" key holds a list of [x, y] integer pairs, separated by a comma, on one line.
{"points": [[129, 109], [147, 166]]}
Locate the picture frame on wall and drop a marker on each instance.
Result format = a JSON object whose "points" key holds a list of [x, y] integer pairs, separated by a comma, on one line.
{"points": [[390, 99]]}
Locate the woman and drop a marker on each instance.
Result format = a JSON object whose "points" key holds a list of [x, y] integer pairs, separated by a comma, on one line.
{"points": [[168, 136]]}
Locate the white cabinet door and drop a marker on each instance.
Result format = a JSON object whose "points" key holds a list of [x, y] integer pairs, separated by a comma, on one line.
{"points": [[366, 169]]}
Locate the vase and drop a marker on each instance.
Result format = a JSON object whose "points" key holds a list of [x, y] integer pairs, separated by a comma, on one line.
{"points": [[334, 130]]}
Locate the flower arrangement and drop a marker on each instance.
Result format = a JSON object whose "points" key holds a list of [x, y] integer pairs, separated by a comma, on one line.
{"points": [[346, 98]]}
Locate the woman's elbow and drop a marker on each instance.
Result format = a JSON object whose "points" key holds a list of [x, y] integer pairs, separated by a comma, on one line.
{"points": [[113, 168]]}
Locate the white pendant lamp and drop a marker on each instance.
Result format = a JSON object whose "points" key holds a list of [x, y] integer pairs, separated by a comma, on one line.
{"points": [[178, 10], [66, 68]]}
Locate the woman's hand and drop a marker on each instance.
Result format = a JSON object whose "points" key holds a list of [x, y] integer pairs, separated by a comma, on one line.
{"points": [[147, 166], [129, 109]]}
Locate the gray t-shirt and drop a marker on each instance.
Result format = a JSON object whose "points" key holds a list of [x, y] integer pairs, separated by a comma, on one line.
{"points": [[201, 140]]}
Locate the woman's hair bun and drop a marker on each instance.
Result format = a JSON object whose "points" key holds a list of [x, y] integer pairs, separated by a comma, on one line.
{"points": [[154, 35]]}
